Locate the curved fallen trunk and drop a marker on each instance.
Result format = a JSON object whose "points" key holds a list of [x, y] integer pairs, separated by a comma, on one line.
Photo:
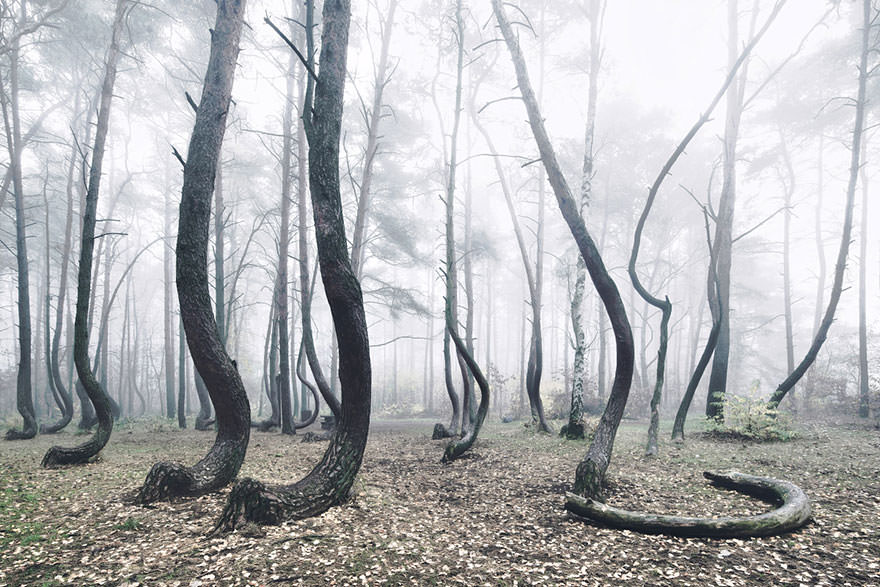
{"points": [[792, 513], [457, 448]]}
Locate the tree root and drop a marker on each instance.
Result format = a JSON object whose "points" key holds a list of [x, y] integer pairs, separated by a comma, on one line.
{"points": [[792, 512], [166, 480]]}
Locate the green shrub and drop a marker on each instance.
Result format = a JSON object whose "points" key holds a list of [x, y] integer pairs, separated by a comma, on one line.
{"points": [[748, 418]]}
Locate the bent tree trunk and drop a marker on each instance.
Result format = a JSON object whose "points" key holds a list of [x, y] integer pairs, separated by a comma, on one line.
{"points": [[792, 513], [590, 474], [97, 395], [846, 235], [457, 448], [330, 481], [221, 378]]}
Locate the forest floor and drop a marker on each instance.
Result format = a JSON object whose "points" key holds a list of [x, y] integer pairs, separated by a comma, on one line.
{"points": [[493, 518]]}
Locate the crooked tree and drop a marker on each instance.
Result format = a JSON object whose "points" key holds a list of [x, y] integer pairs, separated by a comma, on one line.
{"points": [[221, 378], [329, 483], [83, 453]]}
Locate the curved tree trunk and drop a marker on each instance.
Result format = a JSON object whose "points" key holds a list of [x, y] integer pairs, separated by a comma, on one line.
{"points": [[846, 235], [222, 463], [301, 375], [590, 474], [100, 400], [457, 448], [330, 481], [792, 513]]}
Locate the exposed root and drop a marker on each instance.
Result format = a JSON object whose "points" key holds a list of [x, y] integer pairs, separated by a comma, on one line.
{"points": [[166, 480], [317, 436], [251, 502], [792, 513]]}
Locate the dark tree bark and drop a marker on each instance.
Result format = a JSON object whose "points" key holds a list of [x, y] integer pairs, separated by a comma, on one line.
{"points": [[269, 359], [792, 513], [85, 452], [329, 483], [24, 398], [457, 448], [840, 268], [301, 375], [220, 466], [590, 473]]}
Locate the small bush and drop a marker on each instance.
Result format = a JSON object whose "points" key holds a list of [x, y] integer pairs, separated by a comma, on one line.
{"points": [[749, 418]]}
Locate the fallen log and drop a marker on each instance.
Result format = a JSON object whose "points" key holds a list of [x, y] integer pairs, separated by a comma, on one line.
{"points": [[793, 511]]}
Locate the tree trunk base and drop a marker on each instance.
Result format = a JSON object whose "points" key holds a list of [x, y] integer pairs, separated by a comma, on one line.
{"points": [[203, 424], [441, 432], [165, 481], [58, 456], [573, 431], [24, 434], [792, 513], [589, 479]]}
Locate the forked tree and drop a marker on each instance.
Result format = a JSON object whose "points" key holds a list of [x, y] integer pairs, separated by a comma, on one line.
{"points": [[222, 463], [329, 483], [83, 453]]}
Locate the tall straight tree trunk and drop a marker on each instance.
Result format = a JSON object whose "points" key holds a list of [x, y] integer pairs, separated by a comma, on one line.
{"points": [[306, 293], [575, 427], [63, 390], [282, 297], [222, 463], [724, 222], [100, 400], [24, 399], [590, 474], [840, 268], [181, 374], [331, 480], [788, 189], [530, 371], [864, 391], [167, 319], [450, 312]]}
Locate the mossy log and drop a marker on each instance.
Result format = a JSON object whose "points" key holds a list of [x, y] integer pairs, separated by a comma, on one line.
{"points": [[793, 511]]}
